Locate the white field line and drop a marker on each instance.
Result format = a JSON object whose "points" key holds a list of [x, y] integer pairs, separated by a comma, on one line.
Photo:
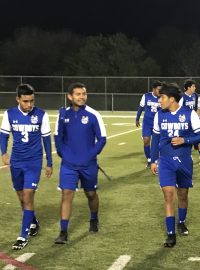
{"points": [[22, 258], [194, 259], [119, 134], [122, 143], [120, 263], [109, 137]]}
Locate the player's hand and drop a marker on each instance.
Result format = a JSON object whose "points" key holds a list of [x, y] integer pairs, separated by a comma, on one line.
{"points": [[177, 141], [154, 168], [49, 171], [6, 159], [137, 123]]}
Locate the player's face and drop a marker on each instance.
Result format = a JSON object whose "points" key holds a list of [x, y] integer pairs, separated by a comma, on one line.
{"points": [[79, 97], [164, 101], [192, 88], [156, 91], [26, 102]]}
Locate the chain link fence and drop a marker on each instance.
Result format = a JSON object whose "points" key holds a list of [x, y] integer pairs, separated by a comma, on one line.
{"points": [[104, 93]]}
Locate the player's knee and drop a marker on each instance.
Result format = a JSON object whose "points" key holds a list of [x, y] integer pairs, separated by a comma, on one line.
{"points": [[91, 195]]}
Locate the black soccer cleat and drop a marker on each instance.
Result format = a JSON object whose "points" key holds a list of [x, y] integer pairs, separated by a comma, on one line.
{"points": [[182, 229], [20, 243], [148, 166], [62, 238], [34, 229], [94, 225], [170, 241]]}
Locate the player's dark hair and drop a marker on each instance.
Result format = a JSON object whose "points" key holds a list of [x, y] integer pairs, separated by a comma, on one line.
{"points": [[24, 89], [156, 84], [188, 83], [171, 90], [75, 85]]}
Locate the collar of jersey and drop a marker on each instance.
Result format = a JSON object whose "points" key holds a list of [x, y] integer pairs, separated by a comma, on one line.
{"points": [[24, 113], [176, 111], [80, 109]]}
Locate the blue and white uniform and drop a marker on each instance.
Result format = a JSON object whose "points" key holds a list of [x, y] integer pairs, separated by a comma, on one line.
{"points": [[188, 101], [79, 137], [175, 162], [27, 152], [150, 105]]}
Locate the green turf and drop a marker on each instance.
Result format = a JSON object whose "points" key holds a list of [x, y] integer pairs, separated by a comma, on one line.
{"points": [[131, 214]]}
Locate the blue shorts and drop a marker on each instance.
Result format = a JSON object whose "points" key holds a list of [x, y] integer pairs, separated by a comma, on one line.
{"points": [[69, 177], [26, 176], [175, 171], [147, 129]]}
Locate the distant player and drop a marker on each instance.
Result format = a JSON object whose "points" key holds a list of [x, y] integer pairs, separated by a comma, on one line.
{"points": [[150, 105], [175, 130], [80, 136], [28, 124], [189, 100]]}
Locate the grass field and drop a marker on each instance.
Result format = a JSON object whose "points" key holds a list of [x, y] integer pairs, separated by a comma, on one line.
{"points": [[131, 213]]}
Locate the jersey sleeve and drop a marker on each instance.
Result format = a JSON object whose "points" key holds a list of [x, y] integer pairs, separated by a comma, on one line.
{"points": [[156, 128], [100, 133], [181, 102], [45, 127], [142, 101], [5, 125], [195, 122]]}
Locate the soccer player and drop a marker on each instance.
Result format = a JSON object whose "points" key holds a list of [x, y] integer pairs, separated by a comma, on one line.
{"points": [[28, 124], [80, 136], [189, 98], [150, 105], [175, 130]]}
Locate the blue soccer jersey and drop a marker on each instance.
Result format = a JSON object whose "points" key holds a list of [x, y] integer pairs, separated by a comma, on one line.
{"points": [[188, 101], [151, 105], [181, 123], [79, 136], [27, 130]]}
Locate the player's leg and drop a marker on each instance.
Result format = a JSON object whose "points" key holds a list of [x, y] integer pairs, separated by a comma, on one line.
{"points": [[184, 181], [68, 184], [31, 175], [147, 150], [89, 182], [182, 194], [169, 193], [167, 177], [35, 225], [93, 203], [146, 135]]}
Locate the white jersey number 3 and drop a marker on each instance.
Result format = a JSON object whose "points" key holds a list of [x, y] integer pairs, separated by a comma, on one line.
{"points": [[25, 136]]}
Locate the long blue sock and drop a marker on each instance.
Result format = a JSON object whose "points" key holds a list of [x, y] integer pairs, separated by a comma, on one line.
{"points": [[26, 222], [147, 152], [34, 221], [170, 224], [93, 215], [182, 212], [64, 224]]}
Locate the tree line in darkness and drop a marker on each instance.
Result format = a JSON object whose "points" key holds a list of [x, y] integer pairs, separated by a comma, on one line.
{"points": [[32, 51]]}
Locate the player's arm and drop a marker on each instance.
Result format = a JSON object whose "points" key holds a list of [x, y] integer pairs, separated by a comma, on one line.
{"points": [[155, 145], [58, 134], [100, 133], [46, 137], [195, 137], [139, 111], [4, 137]]}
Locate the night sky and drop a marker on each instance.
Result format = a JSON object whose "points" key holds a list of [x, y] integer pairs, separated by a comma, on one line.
{"points": [[141, 19]]}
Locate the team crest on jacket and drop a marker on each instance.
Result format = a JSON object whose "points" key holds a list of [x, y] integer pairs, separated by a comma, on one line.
{"points": [[84, 119], [182, 118], [34, 119]]}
